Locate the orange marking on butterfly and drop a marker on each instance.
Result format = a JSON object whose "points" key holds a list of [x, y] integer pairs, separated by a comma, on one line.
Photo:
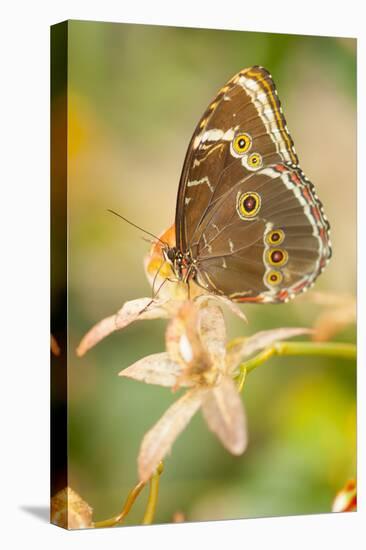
{"points": [[315, 213], [280, 168], [295, 179], [323, 235], [283, 294], [300, 286], [250, 299], [306, 194]]}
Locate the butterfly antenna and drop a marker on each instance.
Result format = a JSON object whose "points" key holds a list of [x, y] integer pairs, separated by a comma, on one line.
{"points": [[137, 226]]}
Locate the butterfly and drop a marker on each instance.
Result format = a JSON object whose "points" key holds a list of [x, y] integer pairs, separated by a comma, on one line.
{"points": [[248, 222]]}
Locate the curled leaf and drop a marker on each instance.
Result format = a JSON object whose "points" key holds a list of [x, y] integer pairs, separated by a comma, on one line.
{"points": [[134, 310]]}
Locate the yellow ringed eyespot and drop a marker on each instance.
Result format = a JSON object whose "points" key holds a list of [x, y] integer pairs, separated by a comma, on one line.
{"points": [[254, 161], [274, 277], [248, 204], [275, 237], [242, 143], [277, 256]]}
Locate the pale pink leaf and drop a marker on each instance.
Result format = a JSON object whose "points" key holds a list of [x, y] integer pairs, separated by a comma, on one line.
{"points": [[96, 334], [241, 348], [156, 369], [131, 311], [265, 338], [223, 411], [141, 309], [183, 341], [213, 333], [203, 300], [176, 339], [158, 441]]}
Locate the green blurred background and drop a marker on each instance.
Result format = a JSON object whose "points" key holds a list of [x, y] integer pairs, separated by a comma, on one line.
{"points": [[135, 94]]}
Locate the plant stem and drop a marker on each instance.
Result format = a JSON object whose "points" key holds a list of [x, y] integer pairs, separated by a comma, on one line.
{"points": [[132, 496], [153, 496], [241, 378], [325, 349]]}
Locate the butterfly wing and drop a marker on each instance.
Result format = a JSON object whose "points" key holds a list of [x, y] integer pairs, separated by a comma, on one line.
{"points": [[265, 240], [247, 107]]}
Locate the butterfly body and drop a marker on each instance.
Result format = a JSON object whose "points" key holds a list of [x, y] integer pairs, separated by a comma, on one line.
{"points": [[184, 266], [249, 224]]}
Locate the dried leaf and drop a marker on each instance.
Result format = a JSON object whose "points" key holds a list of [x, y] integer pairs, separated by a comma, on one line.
{"points": [[70, 511], [155, 369], [224, 413], [131, 311], [158, 441], [241, 348]]}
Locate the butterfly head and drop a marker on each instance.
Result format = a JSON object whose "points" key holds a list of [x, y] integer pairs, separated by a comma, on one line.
{"points": [[182, 263]]}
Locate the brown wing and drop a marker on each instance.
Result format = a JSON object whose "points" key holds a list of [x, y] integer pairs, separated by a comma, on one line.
{"points": [[265, 240], [246, 106]]}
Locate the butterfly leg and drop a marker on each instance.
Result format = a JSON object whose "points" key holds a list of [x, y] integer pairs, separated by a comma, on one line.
{"points": [[156, 293], [154, 280]]}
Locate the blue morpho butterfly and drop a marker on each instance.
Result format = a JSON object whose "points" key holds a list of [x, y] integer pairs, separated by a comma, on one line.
{"points": [[248, 222]]}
